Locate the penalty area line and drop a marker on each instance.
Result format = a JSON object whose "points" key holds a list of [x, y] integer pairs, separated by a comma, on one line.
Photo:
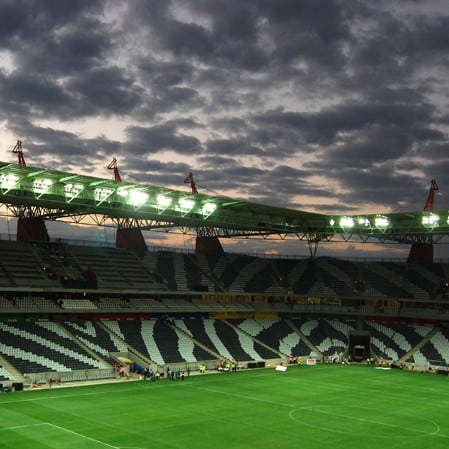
{"points": [[24, 426], [80, 435]]}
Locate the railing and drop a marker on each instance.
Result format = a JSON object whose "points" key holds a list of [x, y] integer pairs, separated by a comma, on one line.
{"points": [[49, 377]]}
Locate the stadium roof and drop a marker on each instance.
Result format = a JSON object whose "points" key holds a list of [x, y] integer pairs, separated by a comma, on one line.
{"points": [[59, 195]]}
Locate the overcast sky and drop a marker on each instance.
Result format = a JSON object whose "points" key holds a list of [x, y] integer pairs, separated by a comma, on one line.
{"points": [[334, 106]]}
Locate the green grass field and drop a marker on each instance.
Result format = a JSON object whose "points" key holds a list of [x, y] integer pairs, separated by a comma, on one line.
{"points": [[324, 406]]}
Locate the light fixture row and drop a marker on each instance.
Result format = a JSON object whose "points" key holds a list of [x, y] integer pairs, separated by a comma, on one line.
{"points": [[429, 220], [134, 197]]}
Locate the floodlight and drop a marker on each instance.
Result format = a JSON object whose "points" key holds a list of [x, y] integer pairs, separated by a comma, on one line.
{"points": [[430, 220], [101, 193], [163, 202], [208, 208], [346, 222], [123, 192], [137, 197], [42, 185], [363, 221], [381, 222], [8, 181], [73, 190], [186, 204]]}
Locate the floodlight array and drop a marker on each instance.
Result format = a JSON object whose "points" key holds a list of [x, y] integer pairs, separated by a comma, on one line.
{"points": [[385, 223], [83, 195], [121, 195]]}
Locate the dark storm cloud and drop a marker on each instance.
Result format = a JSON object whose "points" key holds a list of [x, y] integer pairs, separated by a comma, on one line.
{"points": [[292, 102], [25, 19], [232, 24], [162, 74], [232, 175], [51, 36], [66, 50], [233, 147], [27, 95], [157, 138], [323, 127], [106, 89], [55, 49], [287, 186], [155, 172], [168, 88], [409, 193]]}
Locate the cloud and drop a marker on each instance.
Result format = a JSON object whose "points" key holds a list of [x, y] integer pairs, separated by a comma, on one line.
{"points": [[312, 104]]}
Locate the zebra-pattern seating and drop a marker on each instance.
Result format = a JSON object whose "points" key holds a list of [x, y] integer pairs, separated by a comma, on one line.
{"points": [[42, 346]]}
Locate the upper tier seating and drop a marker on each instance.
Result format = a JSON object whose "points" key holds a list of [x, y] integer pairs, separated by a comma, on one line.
{"points": [[59, 265], [114, 268], [20, 266]]}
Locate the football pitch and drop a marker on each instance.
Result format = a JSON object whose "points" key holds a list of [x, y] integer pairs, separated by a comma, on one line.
{"points": [[323, 406]]}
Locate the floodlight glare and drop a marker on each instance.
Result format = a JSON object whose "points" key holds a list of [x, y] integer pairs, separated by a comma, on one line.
{"points": [[332, 222], [163, 201], [73, 190], [363, 221], [123, 192], [208, 208], [101, 193], [8, 180], [381, 222], [137, 197], [41, 186], [346, 222], [186, 204], [430, 220]]}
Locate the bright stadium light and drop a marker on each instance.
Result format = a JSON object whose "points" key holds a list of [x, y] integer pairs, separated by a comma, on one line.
{"points": [[102, 194], [381, 222], [208, 209], [8, 181], [137, 198], [163, 202], [430, 220], [332, 222], [346, 222], [73, 190], [42, 185], [363, 221], [186, 205], [123, 192]]}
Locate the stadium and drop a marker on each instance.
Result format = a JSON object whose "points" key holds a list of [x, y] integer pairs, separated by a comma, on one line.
{"points": [[74, 314]]}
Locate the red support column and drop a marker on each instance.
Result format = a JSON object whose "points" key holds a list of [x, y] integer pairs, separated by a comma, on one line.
{"points": [[32, 228], [131, 239], [210, 246]]}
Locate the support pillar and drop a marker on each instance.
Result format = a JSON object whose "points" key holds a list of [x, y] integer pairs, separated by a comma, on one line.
{"points": [[209, 246], [421, 253], [32, 228], [132, 240]]}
